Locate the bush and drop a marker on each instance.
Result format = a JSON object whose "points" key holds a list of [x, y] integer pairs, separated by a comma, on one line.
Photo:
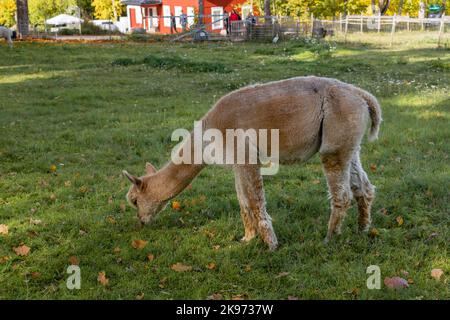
{"points": [[68, 32], [123, 62], [174, 62]]}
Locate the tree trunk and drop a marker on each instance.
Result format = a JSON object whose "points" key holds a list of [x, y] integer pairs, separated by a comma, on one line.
{"points": [[400, 7], [22, 18], [383, 5], [267, 11]]}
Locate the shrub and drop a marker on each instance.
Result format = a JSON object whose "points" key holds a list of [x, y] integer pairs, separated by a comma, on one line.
{"points": [[184, 64]]}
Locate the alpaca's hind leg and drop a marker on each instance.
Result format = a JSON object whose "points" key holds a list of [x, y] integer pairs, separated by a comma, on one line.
{"points": [[337, 172], [249, 187], [363, 191], [250, 224]]}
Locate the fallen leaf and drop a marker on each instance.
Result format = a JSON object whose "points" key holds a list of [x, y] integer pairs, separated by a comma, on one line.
{"points": [[82, 232], [399, 220], [410, 280], [102, 278], [373, 167], [3, 229], [292, 298], [35, 221], [316, 181], [35, 275], [404, 272], [211, 266], [374, 233], [215, 296], [116, 250], [248, 268], [209, 234], [384, 211], [150, 257], [437, 273], [22, 250], [238, 297], [176, 205], [396, 283], [52, 197], [216, 247], [139, 244], [162, 282], [74, 261], [282, 274], [111, 219], [83, 189], [123, 207], [179, 267], [67, 183], [140, 296], [53, 168], [4, 259]]}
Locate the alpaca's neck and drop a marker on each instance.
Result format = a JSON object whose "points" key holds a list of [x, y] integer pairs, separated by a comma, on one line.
{"points": [[174, 178]]}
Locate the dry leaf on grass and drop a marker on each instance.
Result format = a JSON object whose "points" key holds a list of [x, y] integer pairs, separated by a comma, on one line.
{"points": [[215, 296], [22, 250], [211, 266], [140, 296], [35, 275], [176, 205], [399, 220], [292, 298], [102, 278], [396, 283], [282, 274], [139, 244], [35, 221], [179, 267], [150, 257], [123, 207], [74, 261], [4, 259], [374, 233], [4, 229], [437, 273]]}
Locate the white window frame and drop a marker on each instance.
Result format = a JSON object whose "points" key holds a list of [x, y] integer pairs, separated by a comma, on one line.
{"points": [[166, 14], [178, 10], [215, 11], [190, 12]]}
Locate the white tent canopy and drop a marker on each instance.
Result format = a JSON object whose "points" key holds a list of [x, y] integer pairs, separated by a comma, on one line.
{"points": [[63, 19]]}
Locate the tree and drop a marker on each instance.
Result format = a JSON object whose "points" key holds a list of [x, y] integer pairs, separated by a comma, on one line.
{"points": [[22, 18], [103, 9], [267, 11], [7, 12], [384, 6], [41, 10]]}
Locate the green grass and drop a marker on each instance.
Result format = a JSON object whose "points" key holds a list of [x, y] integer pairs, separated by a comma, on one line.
{"points": [[96, 109]]}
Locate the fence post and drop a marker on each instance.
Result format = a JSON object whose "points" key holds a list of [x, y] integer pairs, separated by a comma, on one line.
{"points": [[379, 22], [312, 24], [361, 22], [421, 24], [346, 28], [393, 29], [441, 29], [407, 23], [340, 22]]}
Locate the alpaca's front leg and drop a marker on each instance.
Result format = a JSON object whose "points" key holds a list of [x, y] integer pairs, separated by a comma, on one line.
{"points": [[250, 192]]}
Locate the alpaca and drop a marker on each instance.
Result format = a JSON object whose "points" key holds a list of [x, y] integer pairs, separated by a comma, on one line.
{"points": [[313, 114], [7, 34]]}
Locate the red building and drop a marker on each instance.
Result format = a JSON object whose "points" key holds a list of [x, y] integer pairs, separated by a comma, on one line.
{"points": [[154, 15]]}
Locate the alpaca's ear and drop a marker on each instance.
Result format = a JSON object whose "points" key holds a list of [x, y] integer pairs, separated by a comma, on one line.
{"points": [[149, 168], [134, 180]]}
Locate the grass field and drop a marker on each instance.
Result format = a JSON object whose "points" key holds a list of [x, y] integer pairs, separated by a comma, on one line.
{"points": [[73, 116]]}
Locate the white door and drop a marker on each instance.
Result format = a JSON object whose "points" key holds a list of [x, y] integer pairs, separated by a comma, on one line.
{"points": [[177, 12], [191, 15], [217, 18], [166, 14], [153, 17]]}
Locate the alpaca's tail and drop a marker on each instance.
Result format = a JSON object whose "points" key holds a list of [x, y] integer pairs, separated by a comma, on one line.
{"points": [[374, 112]]}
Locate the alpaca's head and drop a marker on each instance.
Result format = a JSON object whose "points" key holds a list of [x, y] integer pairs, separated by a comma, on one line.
{"points": [[141, 197]]}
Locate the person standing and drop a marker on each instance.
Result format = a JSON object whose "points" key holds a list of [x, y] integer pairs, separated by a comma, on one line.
{"points": [[173, 23]]}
